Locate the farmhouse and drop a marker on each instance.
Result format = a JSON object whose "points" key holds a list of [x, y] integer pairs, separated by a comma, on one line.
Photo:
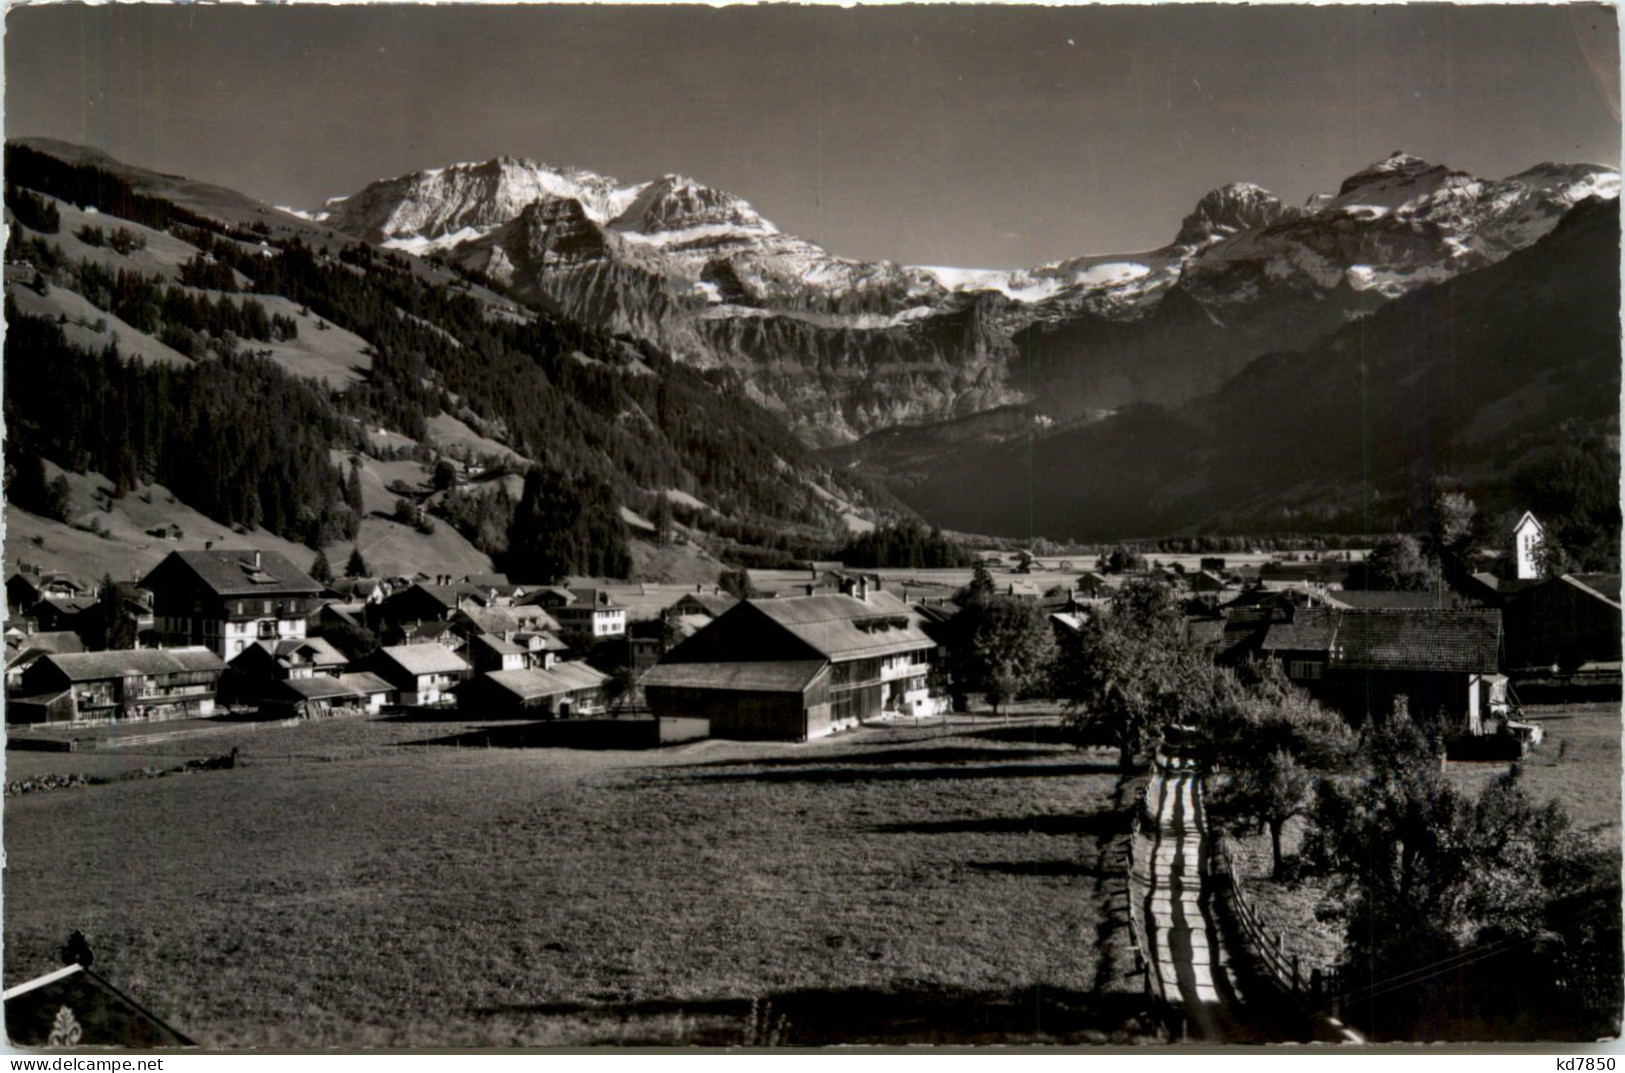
{"points": [[146, 683], [1445, 664], [563, 691], [226, 600], [591, 611], [421, 674], [798, 667]]}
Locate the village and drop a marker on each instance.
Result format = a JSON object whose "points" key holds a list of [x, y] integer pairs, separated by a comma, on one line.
{"points": [[239, 633]]}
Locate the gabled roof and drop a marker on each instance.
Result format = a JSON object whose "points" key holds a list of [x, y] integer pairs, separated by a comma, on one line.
{"points": [[507, 619], [321, 687], [1310, 629], [598, 599], [424, 659], [545, 642], [535, 682], [64, 605], [317, 650], [1389, 639], [768, 676], [235, 573], [498, 582], [1528, 519], [1393, 599], [1603, 586], [96, 666], [366, 682], [51, 641], [714, 603], [843, 627], [494, 643]]}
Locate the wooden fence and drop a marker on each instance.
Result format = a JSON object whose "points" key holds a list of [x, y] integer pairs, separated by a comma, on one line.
{"points": [[1138, 875], [1286, 969]]}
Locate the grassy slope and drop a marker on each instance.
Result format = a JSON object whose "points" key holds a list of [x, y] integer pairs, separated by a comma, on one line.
{"points": [[81, 315], [129, 552], [329, 354], [490, 897]]}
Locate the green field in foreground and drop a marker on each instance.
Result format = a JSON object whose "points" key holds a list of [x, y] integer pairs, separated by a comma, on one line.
{"points": [[902, 885]]}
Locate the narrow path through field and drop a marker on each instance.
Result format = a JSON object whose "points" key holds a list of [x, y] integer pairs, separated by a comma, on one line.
{"points": [[1220, 999]]}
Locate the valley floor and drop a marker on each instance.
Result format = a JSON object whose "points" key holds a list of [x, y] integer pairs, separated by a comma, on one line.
{"points": [[349, 885]]}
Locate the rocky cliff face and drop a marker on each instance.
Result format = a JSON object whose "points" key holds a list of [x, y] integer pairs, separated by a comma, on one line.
{"points": [[844, 348]]}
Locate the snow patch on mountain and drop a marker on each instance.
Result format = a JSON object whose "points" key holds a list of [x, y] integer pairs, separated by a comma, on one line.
{"points": [[420, 246]]}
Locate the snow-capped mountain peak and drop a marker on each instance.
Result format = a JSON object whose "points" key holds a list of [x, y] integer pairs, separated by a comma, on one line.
{"points": [[1231, 208], [675, 203], [434, 206]]}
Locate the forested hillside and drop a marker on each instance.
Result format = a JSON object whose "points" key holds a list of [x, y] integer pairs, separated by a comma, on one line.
{"points": [[230, 428]]}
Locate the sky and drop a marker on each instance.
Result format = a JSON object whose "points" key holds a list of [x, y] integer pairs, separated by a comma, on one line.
{"points": [[965, 135]]}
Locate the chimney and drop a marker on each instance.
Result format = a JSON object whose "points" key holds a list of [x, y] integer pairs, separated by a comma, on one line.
{"points": [[810, 589], [814, 570], [256, 559], [862, 587], [208, 545], [699, 587]]}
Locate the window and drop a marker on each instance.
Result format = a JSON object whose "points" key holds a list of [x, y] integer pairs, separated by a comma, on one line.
{"points": [[1304, 668], [265, 607]]}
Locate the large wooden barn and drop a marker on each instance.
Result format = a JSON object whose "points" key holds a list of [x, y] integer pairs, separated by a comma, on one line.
{"points": [[798, 667]]}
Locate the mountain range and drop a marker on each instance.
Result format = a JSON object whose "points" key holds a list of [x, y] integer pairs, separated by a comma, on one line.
{"points": [[843, 348], [1272, 367]]}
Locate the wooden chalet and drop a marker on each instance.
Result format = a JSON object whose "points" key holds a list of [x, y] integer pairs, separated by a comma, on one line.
{"points": [[421, 674], [563, 691], [798, 667], [102, 687], [226, 600], [1445, 664]]}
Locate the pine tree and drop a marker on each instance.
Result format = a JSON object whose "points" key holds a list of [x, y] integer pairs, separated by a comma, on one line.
{"points": [[320, 570], [357, 566]]}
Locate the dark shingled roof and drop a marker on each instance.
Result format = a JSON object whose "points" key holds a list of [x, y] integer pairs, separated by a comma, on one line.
{"points": [[233, 573], [95, 666], [1395, 639], [768, 676], [843, 627], [1378, 598]]}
